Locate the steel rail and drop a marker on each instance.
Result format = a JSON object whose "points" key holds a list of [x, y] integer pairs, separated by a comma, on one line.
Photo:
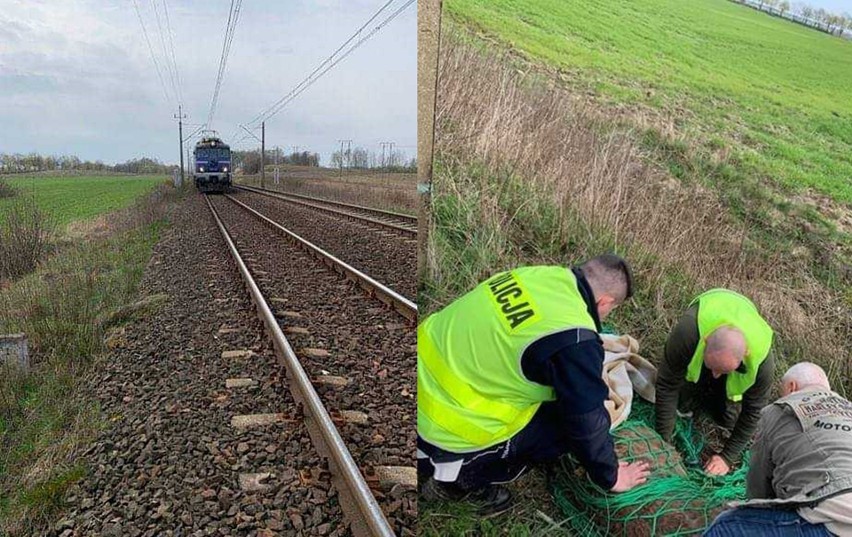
{"points": [[357, 501], [313, 202], [404, 306], [402, 216]]}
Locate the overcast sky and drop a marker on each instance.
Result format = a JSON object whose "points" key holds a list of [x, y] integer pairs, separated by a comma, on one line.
{"points": [[76, 76], [835, 6]]}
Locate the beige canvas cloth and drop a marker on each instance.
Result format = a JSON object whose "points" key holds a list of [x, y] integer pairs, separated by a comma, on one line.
{"points": [[626, 372]]}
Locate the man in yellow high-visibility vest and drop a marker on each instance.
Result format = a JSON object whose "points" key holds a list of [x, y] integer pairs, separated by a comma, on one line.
{"points": [[717, 360], [510, 374]]}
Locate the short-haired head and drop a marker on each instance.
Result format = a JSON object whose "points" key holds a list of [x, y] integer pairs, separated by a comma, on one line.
{"points": [[725, 350], [611, 281], [803, 375]]}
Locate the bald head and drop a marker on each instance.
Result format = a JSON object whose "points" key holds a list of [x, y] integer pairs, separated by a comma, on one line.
{"points": [[725, 350], [803, 375]]}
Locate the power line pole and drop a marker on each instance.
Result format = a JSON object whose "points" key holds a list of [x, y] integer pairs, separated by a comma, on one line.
{"points": [[262, 153], [180, 117], [189, 161]]}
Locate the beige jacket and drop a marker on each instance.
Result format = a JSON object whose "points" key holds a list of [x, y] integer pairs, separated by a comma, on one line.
{"points": [[802, 453]]}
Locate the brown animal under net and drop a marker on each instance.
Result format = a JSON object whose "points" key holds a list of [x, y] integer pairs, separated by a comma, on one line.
{"points": [[678, 499]]}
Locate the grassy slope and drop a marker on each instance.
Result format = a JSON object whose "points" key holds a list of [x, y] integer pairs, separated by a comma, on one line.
{"points": [[620, 60], [775, 92], [41, 421], [80, 198], [66, 308]]}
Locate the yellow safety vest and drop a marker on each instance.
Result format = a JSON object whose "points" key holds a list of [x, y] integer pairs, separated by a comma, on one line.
{"points": [[721, 307], [471, 391]]}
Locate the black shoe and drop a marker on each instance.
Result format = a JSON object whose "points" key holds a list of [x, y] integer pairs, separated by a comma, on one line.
{"points": [[438, 491], [491, 501]]}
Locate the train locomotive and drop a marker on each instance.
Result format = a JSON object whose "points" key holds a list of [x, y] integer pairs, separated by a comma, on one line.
{"points": [[212, 165]]}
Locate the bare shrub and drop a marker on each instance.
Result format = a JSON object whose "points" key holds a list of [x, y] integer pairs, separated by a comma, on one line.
{"points": [[25, 236], [517, 123]]}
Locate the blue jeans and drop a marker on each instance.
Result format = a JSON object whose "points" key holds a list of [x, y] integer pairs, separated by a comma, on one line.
{"points": [[769, 522]]}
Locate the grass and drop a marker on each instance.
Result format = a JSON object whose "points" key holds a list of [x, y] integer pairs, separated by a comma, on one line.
{"points": [[527, 172], [772, 95], [66, 307], [70, 199]]}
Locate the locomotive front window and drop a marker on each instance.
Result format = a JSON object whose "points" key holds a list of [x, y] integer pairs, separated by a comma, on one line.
{"points": [[208, 153]]}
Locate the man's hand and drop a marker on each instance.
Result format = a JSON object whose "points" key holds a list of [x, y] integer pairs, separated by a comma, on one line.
{"points": [[717, 466], [630, 475]]}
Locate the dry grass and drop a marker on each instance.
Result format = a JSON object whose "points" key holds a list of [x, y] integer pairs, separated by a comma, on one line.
{"points": [[66, 308], [517, 126], [391, 191]]}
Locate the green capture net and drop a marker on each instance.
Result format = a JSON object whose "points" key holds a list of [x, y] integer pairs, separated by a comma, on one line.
{"points": [[678, 499]]}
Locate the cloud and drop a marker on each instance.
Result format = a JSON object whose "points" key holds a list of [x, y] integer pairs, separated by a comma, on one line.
{"points": [[76, 76]]}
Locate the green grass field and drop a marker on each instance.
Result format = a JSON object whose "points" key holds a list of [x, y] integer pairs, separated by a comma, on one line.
{"points": [[774, 95], [70, 199]]}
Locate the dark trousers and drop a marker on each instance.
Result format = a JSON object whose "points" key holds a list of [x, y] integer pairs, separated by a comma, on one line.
{"points": [[542, 440], [768, 522], [711, 398]]}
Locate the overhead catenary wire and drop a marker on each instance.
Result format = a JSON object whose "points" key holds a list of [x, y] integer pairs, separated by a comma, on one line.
{"points": [[172, 48], [326, 65], [163, 44], [233, 18], [151, 52], [330, 58]]}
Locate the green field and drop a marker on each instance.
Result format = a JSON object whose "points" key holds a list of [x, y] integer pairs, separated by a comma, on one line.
{"points": [[70, 199], [771, 98]]}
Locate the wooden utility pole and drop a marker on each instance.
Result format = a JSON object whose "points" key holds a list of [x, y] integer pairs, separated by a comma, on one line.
{"points": [[429, 42], [262, 154]]}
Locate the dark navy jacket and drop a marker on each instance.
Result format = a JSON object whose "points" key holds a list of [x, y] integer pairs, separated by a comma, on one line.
{"points": [[572, 362], [576, 422]]}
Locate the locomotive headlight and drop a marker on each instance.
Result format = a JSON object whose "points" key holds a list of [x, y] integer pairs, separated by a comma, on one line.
{"points": [[225, 168], [202, 168]]}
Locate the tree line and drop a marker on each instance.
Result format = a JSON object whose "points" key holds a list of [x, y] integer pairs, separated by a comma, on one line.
{"points": [[249, 161], [801, 12], [364, 159], [33, 162]]}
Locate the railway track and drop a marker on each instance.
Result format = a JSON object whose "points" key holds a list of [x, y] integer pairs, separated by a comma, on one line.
{"points": [[398, 222], [386, 255], [350, 360]]}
